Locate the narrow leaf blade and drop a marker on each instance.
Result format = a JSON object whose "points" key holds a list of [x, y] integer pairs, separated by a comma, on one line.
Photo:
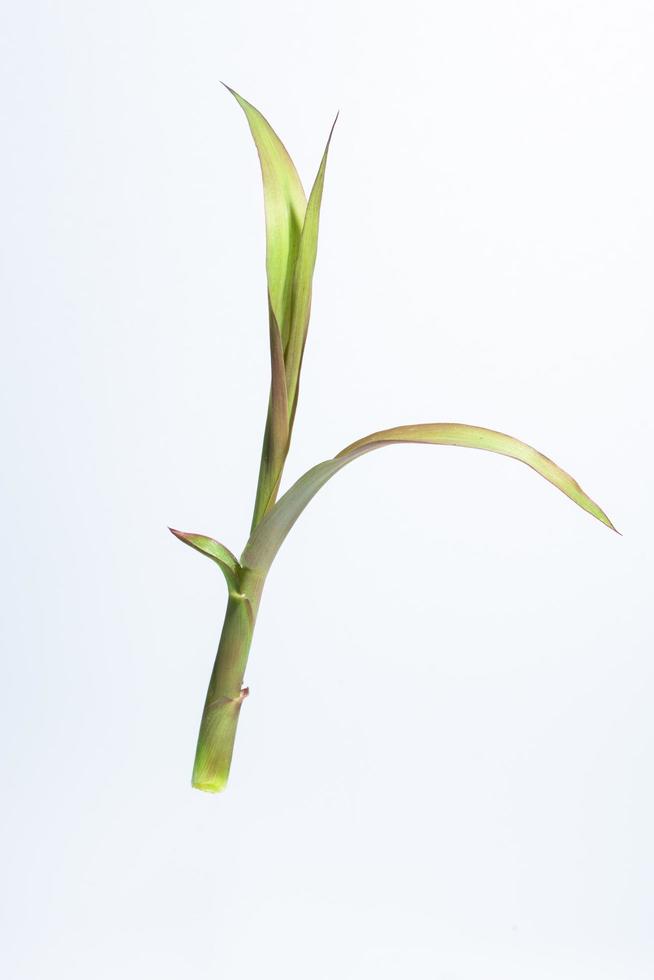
{"points": [[223, 557], [477, 437], [268, 537], [285, 206], [302, 282]]}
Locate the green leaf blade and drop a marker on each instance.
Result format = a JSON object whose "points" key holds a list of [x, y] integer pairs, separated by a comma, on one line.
{"points": [[302, 282], [284, 205], [478, 437], [268, 537], [222, 556]]}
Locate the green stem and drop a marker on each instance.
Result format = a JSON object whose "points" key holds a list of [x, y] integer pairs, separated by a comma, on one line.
{"points": [[226, 693], [270, 474], [277, 434]]}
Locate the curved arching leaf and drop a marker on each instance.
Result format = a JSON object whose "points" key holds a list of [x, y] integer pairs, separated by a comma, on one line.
{"points": [[268, 537], [226, 561]]}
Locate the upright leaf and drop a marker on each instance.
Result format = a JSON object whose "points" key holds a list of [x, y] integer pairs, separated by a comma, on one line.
{"points": [[302, 283], [268, 537], [285, 205]]}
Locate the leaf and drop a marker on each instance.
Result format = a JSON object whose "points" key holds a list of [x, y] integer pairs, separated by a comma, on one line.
{"points": [[268, 537], [285, 206], [301, 300], [222, 556]]}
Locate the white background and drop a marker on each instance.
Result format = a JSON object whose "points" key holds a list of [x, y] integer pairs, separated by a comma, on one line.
{"points": [[445, 767]]}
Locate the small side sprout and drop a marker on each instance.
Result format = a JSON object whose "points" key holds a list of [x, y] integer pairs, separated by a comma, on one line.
{"points": [[291, 247]]}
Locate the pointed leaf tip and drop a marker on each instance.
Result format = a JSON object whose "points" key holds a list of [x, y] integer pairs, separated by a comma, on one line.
{"points": [[303, 282], [222, 556], [478, 437], [284, 205]]}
